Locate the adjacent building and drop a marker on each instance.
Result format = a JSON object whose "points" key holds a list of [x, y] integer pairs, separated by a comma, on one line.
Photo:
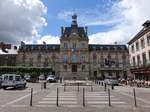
{"points": [[139, 51], [74, 57]]}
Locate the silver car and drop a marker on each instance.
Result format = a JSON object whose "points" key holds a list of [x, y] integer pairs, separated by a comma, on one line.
{"points": [[111, 82]]}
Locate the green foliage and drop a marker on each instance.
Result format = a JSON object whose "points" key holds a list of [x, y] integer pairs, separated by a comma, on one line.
{"points": [[33, 71]]}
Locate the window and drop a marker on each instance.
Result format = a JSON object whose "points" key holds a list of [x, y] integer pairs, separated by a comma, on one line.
{"points": [[31, 62], [142, 44], [144, 58], [18, 78], [94, 56], [102, 61], [74, 59], [138, 60], [133, 60], [137, 46], [83, 67], [24, 59], [45, 62], [148, 40], [74, 45], [124, 59], [65, 59], [65, 67], [39, 57], [82, 45], [132, 48], [65, 45], [10, 78], [82, 59], [149, 56]]}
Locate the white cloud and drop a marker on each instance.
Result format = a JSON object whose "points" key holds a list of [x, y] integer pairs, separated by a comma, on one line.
{"points": [[49, 39], [93, 16], [134, 13], [21, 20]]}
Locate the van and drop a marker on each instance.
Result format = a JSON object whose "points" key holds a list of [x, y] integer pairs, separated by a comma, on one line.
{"points": [[12, 80]]}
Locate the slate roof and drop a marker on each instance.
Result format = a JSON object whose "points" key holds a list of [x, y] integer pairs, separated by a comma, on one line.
{"points": [[96, 47], [80, 31], [51, 47], [142, 32]]}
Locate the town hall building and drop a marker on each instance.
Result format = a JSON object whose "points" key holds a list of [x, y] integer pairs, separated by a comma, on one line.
{"points": [[75, 58]]}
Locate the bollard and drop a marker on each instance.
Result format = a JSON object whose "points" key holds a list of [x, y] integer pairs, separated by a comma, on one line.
{"points": [[83, 97], [91, 88], [44, 85], [64, 87], [78, 87], [57, 97], [102, 83], [31, 96], [112, 87], [135, 104], [109, 97], [105, 87]]}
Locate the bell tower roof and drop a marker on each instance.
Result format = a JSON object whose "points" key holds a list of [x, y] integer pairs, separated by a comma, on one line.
{"points": [[74, 20]]}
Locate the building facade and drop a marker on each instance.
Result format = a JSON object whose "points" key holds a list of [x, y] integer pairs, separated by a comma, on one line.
{"points": [[139, 51], [75, 58]]}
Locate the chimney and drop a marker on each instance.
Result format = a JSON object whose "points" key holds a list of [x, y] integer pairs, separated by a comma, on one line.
{"points": [[62, 30], [146, 24]]}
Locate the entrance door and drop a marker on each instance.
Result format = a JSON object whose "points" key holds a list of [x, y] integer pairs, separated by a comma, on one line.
{"points": [[74, 68], [95, 74]]}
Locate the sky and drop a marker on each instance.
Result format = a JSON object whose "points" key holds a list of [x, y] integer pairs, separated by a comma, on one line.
{"points": [[35, 21]]}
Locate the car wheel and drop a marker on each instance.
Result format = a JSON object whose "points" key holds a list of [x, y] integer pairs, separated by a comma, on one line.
{"points": [[24, 86], [4, 88]]}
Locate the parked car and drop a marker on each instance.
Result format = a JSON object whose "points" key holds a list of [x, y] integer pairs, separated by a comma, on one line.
{"points": [[0, 82], [51, 78], [41, 77], [111, 82], [27, 77], [12, 80]]}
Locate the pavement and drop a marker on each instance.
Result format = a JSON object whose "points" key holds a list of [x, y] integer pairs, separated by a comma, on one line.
{"points": [[70, 99]]}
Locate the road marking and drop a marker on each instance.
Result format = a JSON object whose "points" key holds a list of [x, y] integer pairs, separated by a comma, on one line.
{"points": [[97, 96], [55, 106], [138, 98], [61, 96], [18, 106], [112, 99], [19, 99], [54, 102], [59, 99], [104, 102], [146, 106]]}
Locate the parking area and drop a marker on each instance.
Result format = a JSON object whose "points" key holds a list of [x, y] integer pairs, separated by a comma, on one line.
{"points": [[74, 98]]}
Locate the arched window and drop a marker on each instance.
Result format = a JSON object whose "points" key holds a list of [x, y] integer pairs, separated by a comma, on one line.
{"points": [[74, 58], [65, 59]]}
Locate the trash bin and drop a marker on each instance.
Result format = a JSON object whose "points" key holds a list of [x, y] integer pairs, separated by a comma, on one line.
{"points": [[44, 85]]}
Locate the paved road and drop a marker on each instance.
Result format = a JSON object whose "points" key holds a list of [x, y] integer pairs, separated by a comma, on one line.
{"points": [[71, 100]]}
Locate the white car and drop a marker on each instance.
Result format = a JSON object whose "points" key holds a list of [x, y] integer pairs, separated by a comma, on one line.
{"points": [[51, 78], [12, 80]]}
